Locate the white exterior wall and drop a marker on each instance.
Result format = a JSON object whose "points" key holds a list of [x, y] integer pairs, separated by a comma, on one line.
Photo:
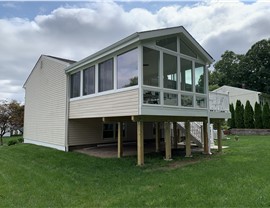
{"points": [[45, 104], [240, 94], [123, 103]]}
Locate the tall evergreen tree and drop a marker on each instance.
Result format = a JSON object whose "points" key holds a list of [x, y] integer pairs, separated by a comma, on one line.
{"points": [[248, 116], [266, 116], [231, 121], [258, 116], [239, 115]]}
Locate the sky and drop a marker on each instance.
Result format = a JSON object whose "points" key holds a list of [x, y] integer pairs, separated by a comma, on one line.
{"points": [[75, 30]]}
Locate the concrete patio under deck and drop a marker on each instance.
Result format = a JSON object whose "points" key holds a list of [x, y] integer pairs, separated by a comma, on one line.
{"points": [[130, 149]]}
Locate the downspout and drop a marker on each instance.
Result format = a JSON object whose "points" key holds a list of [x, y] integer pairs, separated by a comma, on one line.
{"points": [[208, 108], [67, 113]]}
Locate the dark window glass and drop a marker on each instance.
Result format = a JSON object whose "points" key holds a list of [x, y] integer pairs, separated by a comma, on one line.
{"points": [[105, 75], [150, 67], [127, 69], [89, 81], [186, 75], [75, 82], [199, 78], [169, 43], [169, 71], [185, 49]]}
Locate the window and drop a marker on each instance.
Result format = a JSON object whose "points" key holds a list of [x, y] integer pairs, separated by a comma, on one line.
{"points": [[127, 69], [150, 67], [169, 43], [89, 81], [201, 102], [169, 71], [75, 83], [151, 97], [105, 75], [186, 75], [170, 99], [185, 49], [199, 78], [187, 100]]}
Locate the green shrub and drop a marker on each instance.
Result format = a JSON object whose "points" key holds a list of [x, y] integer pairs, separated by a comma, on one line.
{"points": [[12, 142], [258, 116], [231, 121], [20, 140], [239, 115], [248, 116], [266, 116]]}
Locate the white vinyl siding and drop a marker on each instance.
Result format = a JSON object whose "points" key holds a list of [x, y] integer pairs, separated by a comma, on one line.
{"points": [[45, 102], [123, 103], [84, 131]]}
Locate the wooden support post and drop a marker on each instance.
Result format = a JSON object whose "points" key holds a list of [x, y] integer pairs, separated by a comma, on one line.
{"points": [[157, 137], [140, 145], [205, 138], [168, 146], [188, 143], [120, 140], [175, 136], [219, 136]]}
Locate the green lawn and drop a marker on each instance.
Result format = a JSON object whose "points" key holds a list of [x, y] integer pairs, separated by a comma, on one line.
{"points": [[33, 176]]}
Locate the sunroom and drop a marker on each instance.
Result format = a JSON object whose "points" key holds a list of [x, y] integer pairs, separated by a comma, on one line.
{"points": [[154, 76]]}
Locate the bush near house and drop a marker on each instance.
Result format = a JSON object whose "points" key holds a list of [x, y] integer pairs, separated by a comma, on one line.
{"points": [[248, 116], [249, 119], [239, 115], [258, 116]]}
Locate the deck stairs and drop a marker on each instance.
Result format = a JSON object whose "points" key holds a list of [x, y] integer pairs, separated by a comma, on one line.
{"points": [[195, 132]]}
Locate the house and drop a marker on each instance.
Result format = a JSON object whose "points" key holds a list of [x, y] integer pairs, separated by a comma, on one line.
{"points": [[125, 92], [243, 95]]}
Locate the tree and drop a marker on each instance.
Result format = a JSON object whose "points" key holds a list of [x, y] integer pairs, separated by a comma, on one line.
{"points": [[239, 115], [227, 70], [251, 70], [266, 116], [231, 121], [256, 66], [248, 116], [16, 116], [4, 119], [258, 116]]}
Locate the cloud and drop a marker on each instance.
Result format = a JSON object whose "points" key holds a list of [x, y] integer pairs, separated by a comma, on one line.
{"points": [[76, 31]]}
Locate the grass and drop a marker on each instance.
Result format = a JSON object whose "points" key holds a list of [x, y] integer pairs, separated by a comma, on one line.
{"points": [[33, 176]]}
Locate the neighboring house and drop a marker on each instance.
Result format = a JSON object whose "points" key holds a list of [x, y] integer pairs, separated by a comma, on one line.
{"points": [[243, 95], [122, 93]]}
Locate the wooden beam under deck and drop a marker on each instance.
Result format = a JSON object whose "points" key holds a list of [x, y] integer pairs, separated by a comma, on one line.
{"points": [[157, 136], [188, 141], [205, 138], [120, 140], [168, 145], [116, 119], [147, 118], [140, 144]]}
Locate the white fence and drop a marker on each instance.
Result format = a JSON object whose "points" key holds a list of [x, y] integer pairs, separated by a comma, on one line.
{"points": [[219, 102]]}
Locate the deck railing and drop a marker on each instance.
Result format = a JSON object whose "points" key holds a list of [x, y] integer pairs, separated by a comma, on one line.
{"points": [[219, 102]]}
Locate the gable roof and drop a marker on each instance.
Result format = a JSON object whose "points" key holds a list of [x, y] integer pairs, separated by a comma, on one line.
{"points": [[67, 62], [230, 88], [139, 36]]}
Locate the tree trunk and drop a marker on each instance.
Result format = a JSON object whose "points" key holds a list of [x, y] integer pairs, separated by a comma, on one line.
{"points": [[1, 140]]}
